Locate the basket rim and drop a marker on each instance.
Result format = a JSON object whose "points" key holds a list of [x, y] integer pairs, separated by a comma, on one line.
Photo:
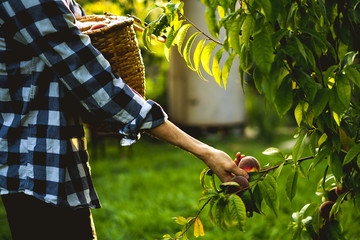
{"points": [[114, 25]]}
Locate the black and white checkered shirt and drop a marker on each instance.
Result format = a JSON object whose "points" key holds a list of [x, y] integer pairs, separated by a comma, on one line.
{"points": [[49, 74]]}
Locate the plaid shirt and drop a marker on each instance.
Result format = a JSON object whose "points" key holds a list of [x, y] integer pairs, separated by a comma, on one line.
{"points": [[49, 73]]}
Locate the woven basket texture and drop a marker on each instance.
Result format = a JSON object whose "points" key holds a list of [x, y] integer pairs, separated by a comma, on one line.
{"points": [[118, 44]]}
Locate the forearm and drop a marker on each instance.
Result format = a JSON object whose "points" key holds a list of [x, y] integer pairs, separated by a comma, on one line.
{"points": [[172, 134], [221, 163]]}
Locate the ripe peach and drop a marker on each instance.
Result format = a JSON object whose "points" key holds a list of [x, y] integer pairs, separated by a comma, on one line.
{"points": [[325, 209], [332, 195], [98, 26], [242, 181], [249, 164]]}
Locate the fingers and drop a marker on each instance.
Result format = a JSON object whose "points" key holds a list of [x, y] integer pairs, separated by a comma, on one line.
{"points": [[238, 158], [240, 172]]}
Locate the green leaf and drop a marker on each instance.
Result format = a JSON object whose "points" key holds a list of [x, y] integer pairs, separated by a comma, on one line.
{"points": [[328, 73], [263, 51], [245, 61], [227, 68], [284, 97], [313, 144], [210, 18], [301, 48], [336, 166], [187, 49], [205, 56], [353, 74], [181, 36], [323, 153], [278, 35], [352, 153], [145, 39], [170, 38], [181, 220], [266, 6], [216, 70], [307, 84], [268, 188], [248, 29], [234, 33], [336, 207], [203, 177], [291, 184], [272, 151], [197, 57], [298, 113], [348, 59], [343, 90], [321, 99], [299, 147], [257, 198], [220, 213], [237, 211]]}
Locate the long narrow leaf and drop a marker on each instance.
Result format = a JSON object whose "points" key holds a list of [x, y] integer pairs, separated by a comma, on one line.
{"points": [[187, 49], [353, 152], [227, 68], [206, 55], [291, 184], [216, 70], [237, 211], [299, 147], [197, 57], [263, 51], [181, 36]]}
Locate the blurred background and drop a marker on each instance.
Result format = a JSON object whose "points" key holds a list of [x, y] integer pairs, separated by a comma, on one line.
{"points": [[144, 186]]}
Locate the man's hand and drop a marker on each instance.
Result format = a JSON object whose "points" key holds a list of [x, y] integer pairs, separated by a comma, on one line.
{"points": [[218, 161]]}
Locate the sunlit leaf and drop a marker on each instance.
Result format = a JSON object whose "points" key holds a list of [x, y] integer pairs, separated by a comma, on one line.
{"points": [[206, 55], [181, 36], [181, 220], [197, 57], [272, 151], [227, 68], [187, 49], [216, 69], [298, 113]]}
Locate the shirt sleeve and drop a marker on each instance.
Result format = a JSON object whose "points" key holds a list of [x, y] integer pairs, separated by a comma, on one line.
{"points": [[47, 27]]}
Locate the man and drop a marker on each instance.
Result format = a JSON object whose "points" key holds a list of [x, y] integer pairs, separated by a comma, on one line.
{"points": [[49, 72]]}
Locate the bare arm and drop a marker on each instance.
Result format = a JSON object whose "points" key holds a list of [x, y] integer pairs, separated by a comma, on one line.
{"points": [[218, 161]]}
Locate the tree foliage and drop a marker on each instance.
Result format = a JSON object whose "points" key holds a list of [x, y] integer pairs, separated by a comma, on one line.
{"points": [[302, 56]]}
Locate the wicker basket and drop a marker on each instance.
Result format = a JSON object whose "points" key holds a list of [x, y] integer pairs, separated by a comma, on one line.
{"points": [[117, 42]]}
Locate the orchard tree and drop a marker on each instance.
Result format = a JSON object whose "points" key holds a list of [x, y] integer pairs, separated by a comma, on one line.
{"points": [[302, 56]]}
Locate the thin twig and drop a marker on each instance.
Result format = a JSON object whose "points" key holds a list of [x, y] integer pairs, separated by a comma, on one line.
{"points": [[266, 170], [193, 221], [206, 35]]}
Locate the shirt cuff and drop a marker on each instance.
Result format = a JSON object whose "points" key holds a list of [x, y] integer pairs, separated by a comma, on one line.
{"points": [[151, 117]]}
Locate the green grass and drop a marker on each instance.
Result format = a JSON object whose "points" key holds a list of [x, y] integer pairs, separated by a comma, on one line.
{"points": [[143, 187]]}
